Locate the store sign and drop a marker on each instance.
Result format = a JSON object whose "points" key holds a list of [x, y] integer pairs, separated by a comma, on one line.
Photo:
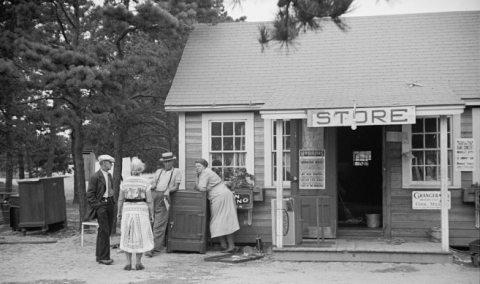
{"points": [[361, 116], [465, 155], [428, 200]]}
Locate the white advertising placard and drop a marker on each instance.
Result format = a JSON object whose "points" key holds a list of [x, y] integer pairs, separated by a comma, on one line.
{"points": [[312, 169], [465, 154], [428, 200]]}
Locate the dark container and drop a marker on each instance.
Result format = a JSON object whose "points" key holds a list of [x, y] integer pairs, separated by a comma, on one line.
{"points": [[42, 202], [187, 223], [14, 217]]}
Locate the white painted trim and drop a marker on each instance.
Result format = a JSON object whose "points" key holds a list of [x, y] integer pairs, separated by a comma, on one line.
{"points": [[439, 110], [476, 136], [406, 164], [444, 180], [248, 117], [472, 102], [182, 155], [267, 151], [212, 108], [284, 114], [279, 195]]}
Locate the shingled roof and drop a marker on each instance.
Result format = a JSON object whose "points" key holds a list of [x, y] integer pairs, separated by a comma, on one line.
{"points": [[372, 64]]}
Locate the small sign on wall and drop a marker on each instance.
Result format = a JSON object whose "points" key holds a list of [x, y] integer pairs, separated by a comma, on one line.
{"points": [[428, 200], [465, 154]]}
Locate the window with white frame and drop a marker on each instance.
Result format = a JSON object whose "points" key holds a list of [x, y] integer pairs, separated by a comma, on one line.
{"points": [[421, 155], [228, 142], [286, 151]]}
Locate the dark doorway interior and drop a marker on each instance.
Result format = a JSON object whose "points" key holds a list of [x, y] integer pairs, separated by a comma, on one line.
{"points": [[359, 174]]}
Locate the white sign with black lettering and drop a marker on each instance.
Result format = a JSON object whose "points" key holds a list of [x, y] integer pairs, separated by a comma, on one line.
{"points": [[428, 200], [465, 155]]}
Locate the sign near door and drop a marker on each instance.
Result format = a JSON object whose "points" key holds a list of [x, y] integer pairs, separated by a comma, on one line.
{"points": [[312, 169]]}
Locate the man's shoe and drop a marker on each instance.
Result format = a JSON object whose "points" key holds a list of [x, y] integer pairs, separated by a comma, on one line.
{"points": [[149, 254], [106, 262]]}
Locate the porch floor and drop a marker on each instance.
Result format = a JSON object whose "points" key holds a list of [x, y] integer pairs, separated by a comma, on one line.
{"points": [[365, 250]]}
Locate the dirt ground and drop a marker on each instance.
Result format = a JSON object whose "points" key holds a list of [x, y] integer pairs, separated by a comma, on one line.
{"points": [[65, 261]]}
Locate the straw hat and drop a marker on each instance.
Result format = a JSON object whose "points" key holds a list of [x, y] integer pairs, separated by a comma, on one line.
{"points": [[106, 158], [167, 156]]}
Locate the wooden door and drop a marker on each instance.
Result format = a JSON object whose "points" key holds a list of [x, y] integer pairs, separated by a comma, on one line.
{"points": [[316, 202]]}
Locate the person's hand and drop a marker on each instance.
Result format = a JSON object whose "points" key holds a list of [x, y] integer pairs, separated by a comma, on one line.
{"points": [[119, 216], [151, 218]]}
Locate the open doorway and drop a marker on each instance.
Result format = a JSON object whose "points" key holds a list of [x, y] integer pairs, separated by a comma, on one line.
{"points": [[360, 180]]}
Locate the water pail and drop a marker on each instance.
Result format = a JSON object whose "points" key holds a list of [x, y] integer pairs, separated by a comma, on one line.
{"points": [[373, 220], [5, 206]]}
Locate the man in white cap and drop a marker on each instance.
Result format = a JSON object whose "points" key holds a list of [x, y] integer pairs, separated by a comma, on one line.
{"points": [[101, 200], [165, 181]]}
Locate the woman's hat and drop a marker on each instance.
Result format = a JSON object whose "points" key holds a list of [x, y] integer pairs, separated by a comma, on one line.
{"points": [[106, 158], [167, 156]]}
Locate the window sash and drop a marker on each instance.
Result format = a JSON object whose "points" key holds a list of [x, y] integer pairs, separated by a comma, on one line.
{"points": [[286, 152]]}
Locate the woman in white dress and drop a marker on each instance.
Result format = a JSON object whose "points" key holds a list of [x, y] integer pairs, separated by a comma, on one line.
{"points": [[135, 209], [224, 220]]}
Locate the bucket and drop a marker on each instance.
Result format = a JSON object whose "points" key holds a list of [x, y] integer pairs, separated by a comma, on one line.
{"points": [[435, 234], [373, 220]]}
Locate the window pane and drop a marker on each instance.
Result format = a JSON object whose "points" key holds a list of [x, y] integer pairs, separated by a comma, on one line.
{"points": [[274, 128], [431, 125], [228, 128], [218, 171], [431, 157], [227, 173], [417, 141], [228, 159], [239, 128], [418, 126], [240, 159], [216, 128], [239, 143], [431, 173], [431, 141], [274, 142], [417, 173], [286, 143], [216, 160], [418, 158], [286, 129], [228, 143], [216, 143]]}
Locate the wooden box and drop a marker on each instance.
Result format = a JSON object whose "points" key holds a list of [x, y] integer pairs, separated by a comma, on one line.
{"points": [[187, 224], [42, 202]]}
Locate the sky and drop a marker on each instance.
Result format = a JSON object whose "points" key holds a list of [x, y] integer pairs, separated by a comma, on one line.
{"points": [[264, 10]]}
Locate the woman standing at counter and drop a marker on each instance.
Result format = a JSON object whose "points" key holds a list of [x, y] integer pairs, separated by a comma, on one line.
{"points": [[224, 220]]}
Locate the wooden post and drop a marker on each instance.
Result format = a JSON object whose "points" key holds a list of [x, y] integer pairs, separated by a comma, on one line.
{"points": [[444, 180], [279, 153]]}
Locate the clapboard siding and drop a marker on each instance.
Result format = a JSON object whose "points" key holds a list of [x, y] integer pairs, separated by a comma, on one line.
{"points": [[409, 223], [193, 146]]}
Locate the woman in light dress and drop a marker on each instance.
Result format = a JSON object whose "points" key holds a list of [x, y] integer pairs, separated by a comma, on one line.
{"points": [[135, 209], [224, 220]]}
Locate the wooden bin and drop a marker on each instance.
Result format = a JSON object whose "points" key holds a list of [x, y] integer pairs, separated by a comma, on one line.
{"points": [[187, 224], [42, 202]]}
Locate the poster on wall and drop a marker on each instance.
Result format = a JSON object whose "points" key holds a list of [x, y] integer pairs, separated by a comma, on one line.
{"points": [[465, 155], [312, 169]]}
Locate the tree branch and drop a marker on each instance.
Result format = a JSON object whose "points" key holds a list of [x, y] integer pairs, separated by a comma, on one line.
{"points": [[66, 15], [60, 22]]}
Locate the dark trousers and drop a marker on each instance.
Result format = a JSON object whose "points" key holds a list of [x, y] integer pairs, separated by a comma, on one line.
{"points": [[105, 215]]}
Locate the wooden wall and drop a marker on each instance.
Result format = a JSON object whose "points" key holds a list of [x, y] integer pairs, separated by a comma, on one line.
{"points": [[261, 221], [412, 224]]}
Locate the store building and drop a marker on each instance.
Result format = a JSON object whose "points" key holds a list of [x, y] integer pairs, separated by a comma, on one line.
{"points": [[361, 114]]}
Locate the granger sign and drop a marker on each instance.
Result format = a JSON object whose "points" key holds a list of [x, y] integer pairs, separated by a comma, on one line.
{"points": [[428, 200], [361, 116]]}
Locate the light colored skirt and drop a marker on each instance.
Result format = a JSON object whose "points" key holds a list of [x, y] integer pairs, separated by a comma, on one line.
{"points": [[136, 230], [224, 220]]}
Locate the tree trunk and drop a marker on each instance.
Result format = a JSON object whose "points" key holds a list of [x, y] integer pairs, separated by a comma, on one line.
{"points": [[75, 187], [29, 164], [21, 163], [117, 171], [9, 145], [51, 152], [79, 165]]}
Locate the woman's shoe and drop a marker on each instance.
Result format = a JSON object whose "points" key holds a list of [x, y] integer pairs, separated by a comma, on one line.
{"points": [[232, 250], [128, 267], [139, 267]]}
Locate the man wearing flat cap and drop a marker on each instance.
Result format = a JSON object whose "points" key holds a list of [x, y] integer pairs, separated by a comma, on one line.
{"points": [[101, 200], [165, 181]]}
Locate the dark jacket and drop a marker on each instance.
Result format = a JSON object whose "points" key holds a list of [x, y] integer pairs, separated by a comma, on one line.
{"points": [[96, 189]]}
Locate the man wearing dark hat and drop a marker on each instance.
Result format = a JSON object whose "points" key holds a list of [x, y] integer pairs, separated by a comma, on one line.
{"points": [[101, 200], [165, 181]]}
